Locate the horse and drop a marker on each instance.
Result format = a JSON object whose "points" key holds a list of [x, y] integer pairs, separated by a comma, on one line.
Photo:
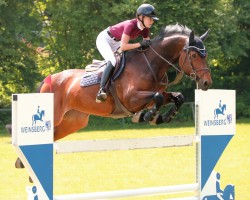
{"points": [[218, 111], [139, 91], [228, 194], [37, 117]]}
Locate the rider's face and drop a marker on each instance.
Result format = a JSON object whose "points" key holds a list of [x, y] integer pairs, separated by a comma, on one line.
{"points": [[148, 21]]}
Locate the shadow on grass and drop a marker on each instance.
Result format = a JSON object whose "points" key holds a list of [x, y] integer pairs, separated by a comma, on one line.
{"points": [[97, 123]]}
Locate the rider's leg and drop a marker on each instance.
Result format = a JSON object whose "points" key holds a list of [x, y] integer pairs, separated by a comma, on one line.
{"points": [[106, 46], [107, 73]]}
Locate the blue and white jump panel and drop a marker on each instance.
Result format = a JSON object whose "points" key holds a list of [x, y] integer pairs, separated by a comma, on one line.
{"points": [[215, 125], [32, 137]]}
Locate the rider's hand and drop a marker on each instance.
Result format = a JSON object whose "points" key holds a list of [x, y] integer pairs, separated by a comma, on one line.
{"points": [[145, 43]]}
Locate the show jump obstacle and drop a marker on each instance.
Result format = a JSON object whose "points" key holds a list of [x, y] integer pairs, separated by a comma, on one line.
{"points": [[32, 137]]}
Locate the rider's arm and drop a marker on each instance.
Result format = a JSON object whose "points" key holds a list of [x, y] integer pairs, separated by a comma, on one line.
{"points": [[125, 45]]}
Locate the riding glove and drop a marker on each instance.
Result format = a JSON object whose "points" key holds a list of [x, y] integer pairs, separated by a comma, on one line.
{"points": [[145, 43]]}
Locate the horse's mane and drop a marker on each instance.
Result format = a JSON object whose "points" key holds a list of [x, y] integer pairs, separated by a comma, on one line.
{"points": [[170, 30]]}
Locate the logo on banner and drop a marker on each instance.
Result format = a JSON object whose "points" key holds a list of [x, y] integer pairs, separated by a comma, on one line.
{"points": [[220, 116], [38, 124], [214, 190]]}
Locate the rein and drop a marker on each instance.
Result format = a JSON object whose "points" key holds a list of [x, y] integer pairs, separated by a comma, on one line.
{"points": [[192, 75], [178, 77], [172, 65]]}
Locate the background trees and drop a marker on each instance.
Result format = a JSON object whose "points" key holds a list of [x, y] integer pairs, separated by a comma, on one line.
{"points": [[68, 29]]}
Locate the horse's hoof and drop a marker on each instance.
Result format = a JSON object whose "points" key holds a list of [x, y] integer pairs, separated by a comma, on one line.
{"points": [[30, 180], [19, 164], [148, 116], [137, 117], [167, 118], [156, 120]]}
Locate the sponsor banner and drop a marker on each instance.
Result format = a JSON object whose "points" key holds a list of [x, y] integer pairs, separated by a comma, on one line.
{"points": [[217, 114], [33, 118], [32, 137]]}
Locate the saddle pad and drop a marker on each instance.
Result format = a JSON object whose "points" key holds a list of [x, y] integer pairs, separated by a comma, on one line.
{"points": [[97, 64], [89, 79]]}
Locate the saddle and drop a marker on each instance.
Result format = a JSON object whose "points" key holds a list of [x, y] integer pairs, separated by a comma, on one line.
{"points": [[93, 75], [93, 72]]}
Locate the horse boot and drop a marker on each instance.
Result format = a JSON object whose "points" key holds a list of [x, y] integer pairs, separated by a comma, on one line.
{"points": [[107, 73]]}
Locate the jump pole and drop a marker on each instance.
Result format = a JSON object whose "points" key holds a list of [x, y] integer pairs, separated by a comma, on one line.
{"points": [[35, 137]]}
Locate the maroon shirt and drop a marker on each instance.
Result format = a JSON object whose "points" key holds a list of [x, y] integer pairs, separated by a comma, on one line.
{"points": [[129, 27]]}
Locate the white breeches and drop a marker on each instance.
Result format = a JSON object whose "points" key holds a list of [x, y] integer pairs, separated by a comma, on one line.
{"points": [[107, 46]]}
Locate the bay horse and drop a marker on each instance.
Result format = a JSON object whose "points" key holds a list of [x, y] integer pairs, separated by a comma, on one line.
{"points": [[141, 86]]}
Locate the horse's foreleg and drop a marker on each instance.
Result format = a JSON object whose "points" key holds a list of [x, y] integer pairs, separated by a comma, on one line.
{"points": [[149, 98], [177, 99], [158, 99]]}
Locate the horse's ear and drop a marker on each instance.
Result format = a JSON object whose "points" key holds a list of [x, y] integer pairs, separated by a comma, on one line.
{"points": [[191, 38], [204, 36]]}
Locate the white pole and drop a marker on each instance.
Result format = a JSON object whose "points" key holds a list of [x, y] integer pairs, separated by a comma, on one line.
{"points": [[131, 192], [123, 144]]}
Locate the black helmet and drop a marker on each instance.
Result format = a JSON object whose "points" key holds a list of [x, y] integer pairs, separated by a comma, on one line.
{"points": [[147, 10]]}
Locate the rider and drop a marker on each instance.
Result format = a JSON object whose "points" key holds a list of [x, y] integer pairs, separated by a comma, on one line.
{"points": [[219, 191], [119, 35]]}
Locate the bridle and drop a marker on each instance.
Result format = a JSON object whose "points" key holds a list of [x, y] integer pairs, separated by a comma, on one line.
{"points": [[202, 52], [193, 75]]}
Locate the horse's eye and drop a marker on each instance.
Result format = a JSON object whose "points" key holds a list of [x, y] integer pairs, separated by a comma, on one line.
{"points": [[194, 55]]}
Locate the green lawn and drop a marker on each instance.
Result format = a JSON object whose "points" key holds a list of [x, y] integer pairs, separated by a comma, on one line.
{"points": [[103, 171]]}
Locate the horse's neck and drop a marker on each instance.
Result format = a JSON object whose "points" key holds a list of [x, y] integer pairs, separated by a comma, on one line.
{"points": [[170, 48], [41, 114]]}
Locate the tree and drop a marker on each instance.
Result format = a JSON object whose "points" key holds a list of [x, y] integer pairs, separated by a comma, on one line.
{"points": [[68, 30], [18, 69]]}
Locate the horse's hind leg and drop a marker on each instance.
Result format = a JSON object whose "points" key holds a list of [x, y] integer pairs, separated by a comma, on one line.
{"points": [[72, 121]]}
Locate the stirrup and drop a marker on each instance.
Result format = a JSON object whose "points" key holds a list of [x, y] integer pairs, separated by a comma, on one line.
{"points": [[101, 96]]}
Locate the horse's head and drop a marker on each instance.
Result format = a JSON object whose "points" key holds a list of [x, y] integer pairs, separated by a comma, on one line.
{"points": [[42, 113], [192, 61], [229, 192]]}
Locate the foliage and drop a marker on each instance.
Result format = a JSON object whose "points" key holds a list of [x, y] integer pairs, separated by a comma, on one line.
{"points": [[18, 68], [67, 30]]}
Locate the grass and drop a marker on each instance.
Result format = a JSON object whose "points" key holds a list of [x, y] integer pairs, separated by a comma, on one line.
{"points": [[104, 171]]}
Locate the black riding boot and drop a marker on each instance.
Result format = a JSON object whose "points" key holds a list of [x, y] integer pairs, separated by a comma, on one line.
{"points": [[107, 73]]}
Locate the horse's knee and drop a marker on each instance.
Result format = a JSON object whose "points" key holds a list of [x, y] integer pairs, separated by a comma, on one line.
{"points": [[178, 99], [158, 98]]}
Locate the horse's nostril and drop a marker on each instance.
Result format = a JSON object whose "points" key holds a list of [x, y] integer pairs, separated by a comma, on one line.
{"points": [[205, 83]]}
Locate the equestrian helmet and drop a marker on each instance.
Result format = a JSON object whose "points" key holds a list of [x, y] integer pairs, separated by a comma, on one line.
{"points": [[147, 10]]}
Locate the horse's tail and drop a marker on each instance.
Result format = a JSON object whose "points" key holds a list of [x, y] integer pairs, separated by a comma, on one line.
{"points": [[48, 81], [39, 87]]}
